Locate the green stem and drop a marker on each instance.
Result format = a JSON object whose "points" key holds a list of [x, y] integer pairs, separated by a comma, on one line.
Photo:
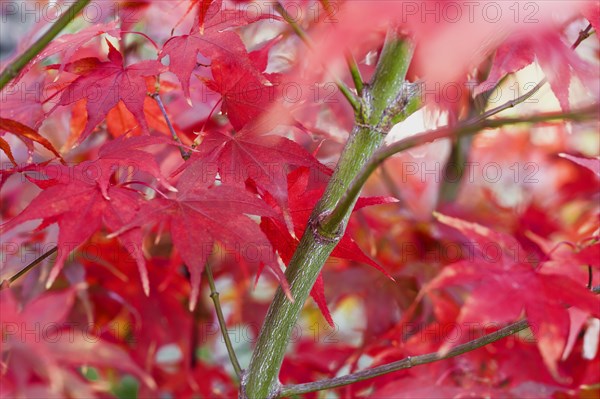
{"points": [[355, 72], [384, 93], [214, 295], [293, 24], [12, 70], [317, 243], [306, 39], [465, 129]]}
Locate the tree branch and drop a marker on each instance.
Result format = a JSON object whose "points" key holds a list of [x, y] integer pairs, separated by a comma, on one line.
{"points": [[214, 295], [261, 379], [406, 363], [584, 34], [31, 265], [465, 129], [12, 70], [409, 362], [355, 72], [185, 155]]}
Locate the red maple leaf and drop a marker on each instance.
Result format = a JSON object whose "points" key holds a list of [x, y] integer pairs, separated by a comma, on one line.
{"points": [[41, 344], [556, 58], [505, 285], [247, 93], [200, 216], [247, 154], [212, 39], [24, 132], [81, 202], [68, 44], [592, 164], [592, 13], [104, 84]]}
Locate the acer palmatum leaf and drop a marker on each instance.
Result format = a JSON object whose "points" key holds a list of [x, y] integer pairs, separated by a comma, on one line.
{"points": [[213, 41], [104, 84], [505, 285], [592, 164], [200, 216], [53, 357], [77, 203]]}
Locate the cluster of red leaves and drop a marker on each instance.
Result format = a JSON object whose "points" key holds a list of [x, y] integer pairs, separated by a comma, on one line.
{"points": [[234, 84]]}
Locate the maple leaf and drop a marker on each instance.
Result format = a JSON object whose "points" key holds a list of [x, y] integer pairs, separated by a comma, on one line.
{"points": [[213, 41], [22, 101], [120, 121], [200, 216], [203, 7], [5, 147], [302, 200], [73, 197], [68, 44], [24, 132], [505, 285], [54, 353], [246, 92], [557, 60], [126, 152], [247, 154], [104, 84], [592, 14], [592, 164]]}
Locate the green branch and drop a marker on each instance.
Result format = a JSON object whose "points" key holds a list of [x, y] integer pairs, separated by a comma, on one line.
{"points": [[306, 39], [355, 73], [13, 70], [214, 295], [261, 380]]}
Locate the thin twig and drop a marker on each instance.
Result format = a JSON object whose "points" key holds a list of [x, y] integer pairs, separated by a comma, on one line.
{"points": [[13, 70], [32, 265], [389, 183], [294, 25], [214, 295], [584, 34], [185, 155], [332, 221], [355, 72], [408, 362], [449, 189], [306, 39]]}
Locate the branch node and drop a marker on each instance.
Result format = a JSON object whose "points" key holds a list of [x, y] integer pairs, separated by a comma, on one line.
{"points": [[376, 129], [320, 234]]}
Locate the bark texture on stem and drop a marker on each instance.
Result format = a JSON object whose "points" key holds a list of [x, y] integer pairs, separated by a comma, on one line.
{"points": [[319, 240], [12, 70]]}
